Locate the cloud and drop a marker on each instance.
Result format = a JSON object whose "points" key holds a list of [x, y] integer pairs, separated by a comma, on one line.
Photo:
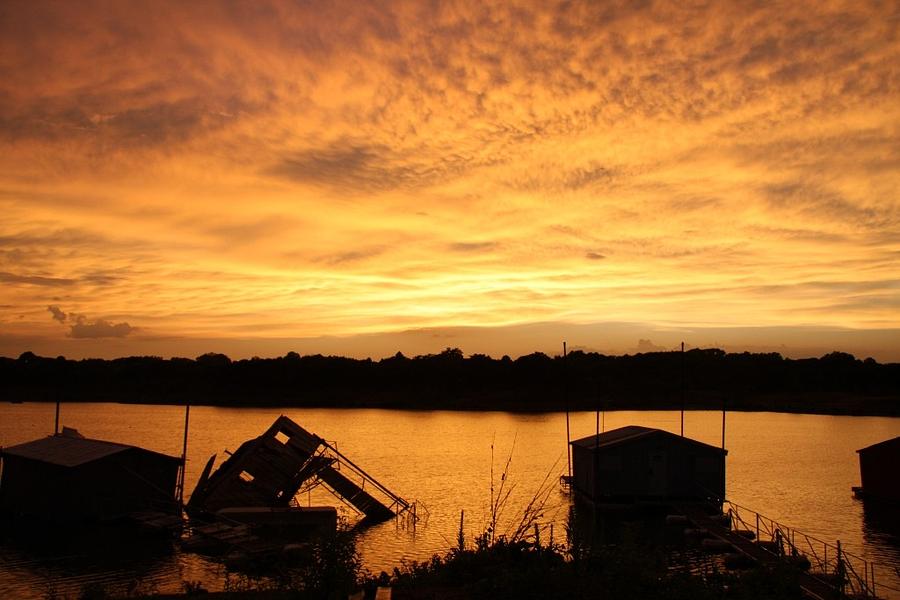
{"points": [[99, 328], [648, 346], [472, 246], [351, 256], [58, 315], [352, 166], [36, 280], [594, 256]]}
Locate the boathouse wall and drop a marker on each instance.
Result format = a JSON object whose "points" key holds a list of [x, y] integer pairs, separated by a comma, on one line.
{"points": [[127, 481], [878, 470], [635, 463]]}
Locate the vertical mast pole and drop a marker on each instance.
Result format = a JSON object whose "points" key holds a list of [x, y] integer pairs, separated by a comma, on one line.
{"points": [[566, 399], [682, 389], [723, 423]]}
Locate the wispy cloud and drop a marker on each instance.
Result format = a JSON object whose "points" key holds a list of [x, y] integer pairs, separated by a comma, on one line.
{"points": [[58, 315], [13, 278]]}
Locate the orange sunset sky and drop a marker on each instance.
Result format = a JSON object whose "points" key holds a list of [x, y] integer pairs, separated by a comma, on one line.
{"points": [[360, 178]]}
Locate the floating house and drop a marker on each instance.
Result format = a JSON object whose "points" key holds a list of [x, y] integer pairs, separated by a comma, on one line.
{"points": [[270, 470], [67, 478], [635, 464], [878, 471]]}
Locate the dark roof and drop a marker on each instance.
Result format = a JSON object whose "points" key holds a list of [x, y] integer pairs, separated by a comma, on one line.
{"points": [[630, 433], [68, 451], [882, 445]]}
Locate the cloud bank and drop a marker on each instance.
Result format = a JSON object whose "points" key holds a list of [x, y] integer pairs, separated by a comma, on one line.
{"points": [[279, 169]]}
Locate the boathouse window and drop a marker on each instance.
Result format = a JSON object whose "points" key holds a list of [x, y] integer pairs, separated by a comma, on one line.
{"points": [[246, 476], [282, 437]]}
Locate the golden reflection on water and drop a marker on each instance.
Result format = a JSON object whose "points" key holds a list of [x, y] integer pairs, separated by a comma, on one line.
{"points": [[797, 469]]}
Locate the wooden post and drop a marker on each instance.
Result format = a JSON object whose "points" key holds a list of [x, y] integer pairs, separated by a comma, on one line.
{"points": [[866, 578], [187, 419], [873, 581], [56, 424]]}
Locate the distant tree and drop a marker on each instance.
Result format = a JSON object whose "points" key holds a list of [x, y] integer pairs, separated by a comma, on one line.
{"points": [[213, 359], [27, 356]]}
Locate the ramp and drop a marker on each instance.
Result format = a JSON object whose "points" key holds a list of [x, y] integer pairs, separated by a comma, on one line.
{"points": [[363, 501]]}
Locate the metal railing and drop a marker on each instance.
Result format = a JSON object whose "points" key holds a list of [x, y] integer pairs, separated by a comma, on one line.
{"points": [[848, 573]]}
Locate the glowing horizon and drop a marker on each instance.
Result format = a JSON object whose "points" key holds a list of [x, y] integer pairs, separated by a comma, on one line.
{"points": [[255, 172]]}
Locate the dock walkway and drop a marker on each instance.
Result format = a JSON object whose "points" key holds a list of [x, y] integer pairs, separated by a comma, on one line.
{"points": [[812, 586]]}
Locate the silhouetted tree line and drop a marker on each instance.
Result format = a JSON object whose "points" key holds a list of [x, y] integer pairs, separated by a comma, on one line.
{"points": [[702, 378]]}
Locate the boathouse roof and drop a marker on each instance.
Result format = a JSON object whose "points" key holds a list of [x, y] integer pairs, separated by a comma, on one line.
{"points": [[885, 445], [632, 433], [71, 451]]}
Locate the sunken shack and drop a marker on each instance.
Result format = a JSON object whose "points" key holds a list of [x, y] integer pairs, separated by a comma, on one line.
{"points": [[878, 471], [270, 470], [66, 478], [634, 464]]}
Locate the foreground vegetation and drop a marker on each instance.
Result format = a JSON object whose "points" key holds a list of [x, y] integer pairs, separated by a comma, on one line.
{"points": [[498, 570], [522, 570], [837, 383]]}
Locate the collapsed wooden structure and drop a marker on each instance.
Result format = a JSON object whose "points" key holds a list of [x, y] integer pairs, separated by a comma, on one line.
{"points": [[270, 470]]}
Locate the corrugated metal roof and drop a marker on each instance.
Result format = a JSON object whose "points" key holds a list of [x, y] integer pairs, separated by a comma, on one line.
{"points": [[882, 445], [614, 436], [68, 451], [630, 433]]}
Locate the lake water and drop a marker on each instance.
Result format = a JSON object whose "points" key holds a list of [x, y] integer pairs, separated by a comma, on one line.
{"points": [[796, 469]]}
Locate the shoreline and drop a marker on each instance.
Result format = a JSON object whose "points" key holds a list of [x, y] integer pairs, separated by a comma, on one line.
{"points": [[852, 407]]}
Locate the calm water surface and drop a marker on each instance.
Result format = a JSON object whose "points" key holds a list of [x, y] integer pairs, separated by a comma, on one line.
{"points": [[796, 469]]}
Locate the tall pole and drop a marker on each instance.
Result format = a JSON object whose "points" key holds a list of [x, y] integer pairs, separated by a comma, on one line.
{"points": [[566, 400], [723, 423], [56, 423], [682, 389], [187, 419]]}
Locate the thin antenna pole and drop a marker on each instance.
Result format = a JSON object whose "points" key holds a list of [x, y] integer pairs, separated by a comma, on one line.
{"points": [[187, 419], [682, 389], [598, 423], [566, 399], [56, 423], [723, 423]]}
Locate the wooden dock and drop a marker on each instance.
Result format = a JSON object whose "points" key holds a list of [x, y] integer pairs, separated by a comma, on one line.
{"points": [[812, 586]]}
